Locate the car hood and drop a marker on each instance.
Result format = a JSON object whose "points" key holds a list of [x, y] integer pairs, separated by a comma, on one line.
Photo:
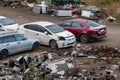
{"points": [[64, 34], [99, 27], [11, 27]]}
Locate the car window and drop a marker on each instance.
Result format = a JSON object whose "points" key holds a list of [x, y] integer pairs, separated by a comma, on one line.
{"points": [[6, 21], [66, 24], [19, 37], [1, 40], [29, 27], [40, 28], [77, 25], [9, 38], [92, 24], [35, 28], [55, 28]]}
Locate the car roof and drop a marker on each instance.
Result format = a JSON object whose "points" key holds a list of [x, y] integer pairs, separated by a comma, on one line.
{"points": [[78, 20], [4, 33], [2, 17], [42, 23]]}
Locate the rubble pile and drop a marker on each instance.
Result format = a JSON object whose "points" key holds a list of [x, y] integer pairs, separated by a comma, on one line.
{"points": [[44, 66], [10, 3], [99, 51]]}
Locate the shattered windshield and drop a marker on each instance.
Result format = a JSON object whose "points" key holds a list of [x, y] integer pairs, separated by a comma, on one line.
{"points": [[6, 21], [92, 24], [55, 28]]}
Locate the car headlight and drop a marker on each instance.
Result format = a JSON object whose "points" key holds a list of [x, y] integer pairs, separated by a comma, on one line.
{"points": [[61, 38]]}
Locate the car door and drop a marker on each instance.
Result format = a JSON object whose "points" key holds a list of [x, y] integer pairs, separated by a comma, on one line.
{"points": [[27, 30], [37, 31], [22, 42], [42, 34], [77, 28], [10, 44]]}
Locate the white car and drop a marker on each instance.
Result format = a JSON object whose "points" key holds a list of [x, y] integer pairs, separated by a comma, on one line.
{"points": [[48, 33], [8, 24]]}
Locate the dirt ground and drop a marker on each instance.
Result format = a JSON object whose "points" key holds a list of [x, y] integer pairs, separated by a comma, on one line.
{"points": [[24, 14]]}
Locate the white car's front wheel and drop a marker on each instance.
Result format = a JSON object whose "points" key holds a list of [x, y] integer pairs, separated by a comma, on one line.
{"points": [[53, 44]]}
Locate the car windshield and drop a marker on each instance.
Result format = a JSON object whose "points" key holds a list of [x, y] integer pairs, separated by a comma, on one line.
{"points": [[92, 24], [6, 21], [55, 28]]}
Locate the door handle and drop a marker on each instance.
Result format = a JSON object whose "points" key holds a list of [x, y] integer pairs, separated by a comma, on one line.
{"points": [[37, 34], [18, 42], [7, 44]]}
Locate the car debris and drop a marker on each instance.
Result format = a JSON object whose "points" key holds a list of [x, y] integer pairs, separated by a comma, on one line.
{"points": [[11, 3], [44, 66]]}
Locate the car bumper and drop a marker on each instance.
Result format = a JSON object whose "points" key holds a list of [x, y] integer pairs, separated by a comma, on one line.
{"points": [[98, 37], [66, 43]]}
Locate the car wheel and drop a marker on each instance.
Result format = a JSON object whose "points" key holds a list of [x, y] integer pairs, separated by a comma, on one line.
{"points": [[84, 38], [35, 46], [4, 54], [53, 44]]}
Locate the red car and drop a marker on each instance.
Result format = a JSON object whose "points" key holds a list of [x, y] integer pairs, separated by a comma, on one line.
{"points": [[85, 30]]}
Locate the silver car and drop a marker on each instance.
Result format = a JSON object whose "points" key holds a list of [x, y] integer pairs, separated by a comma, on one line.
{"points": [[12, 42]]}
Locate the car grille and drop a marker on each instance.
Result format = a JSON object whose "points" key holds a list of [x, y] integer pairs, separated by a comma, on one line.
{"points": [[70, 43], [69, 36]]}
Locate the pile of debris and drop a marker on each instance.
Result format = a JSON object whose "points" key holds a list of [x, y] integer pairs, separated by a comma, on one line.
{"points": [[46, 66], [39, 67], [11, 3], [99, 51]]}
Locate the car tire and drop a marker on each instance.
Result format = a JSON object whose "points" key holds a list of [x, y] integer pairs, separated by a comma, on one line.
{"points": [[35, 46], [84, 38], [4, 54], [53, 44]]}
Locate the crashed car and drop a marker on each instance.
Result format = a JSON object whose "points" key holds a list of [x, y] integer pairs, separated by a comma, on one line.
{"points": [[48, 33], [8, 24], [12, 42], [85, 30]]}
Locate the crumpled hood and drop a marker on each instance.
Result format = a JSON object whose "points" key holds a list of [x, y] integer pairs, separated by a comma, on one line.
{"points": [[64, 34]]}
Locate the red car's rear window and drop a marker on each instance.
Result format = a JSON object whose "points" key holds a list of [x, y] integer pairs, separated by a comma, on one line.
{"points": [[92, 24]]}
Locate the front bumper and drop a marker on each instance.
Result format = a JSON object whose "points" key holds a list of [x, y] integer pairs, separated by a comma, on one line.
{"points": [[66, 43]]}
